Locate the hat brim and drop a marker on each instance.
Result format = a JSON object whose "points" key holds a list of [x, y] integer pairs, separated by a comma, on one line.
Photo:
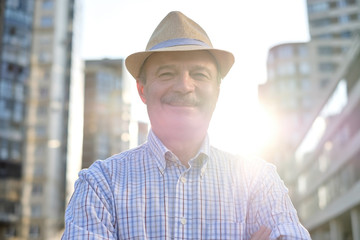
{"points": [[224, 59]]}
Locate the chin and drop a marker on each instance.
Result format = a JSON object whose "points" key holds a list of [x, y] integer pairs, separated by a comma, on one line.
{"points": [[180, 126]]}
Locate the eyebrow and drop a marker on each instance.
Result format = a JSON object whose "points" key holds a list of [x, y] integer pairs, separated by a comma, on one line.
{"points": [[173, 66], [200, 67]]}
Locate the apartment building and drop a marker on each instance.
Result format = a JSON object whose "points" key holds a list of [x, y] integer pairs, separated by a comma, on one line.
{"points": [[289, 90], [107, 111], [319, 160], [47, 157], [327, 159], [15, 46]]}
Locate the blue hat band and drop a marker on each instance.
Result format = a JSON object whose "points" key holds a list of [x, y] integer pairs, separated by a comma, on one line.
{"points": [[178, 42]]}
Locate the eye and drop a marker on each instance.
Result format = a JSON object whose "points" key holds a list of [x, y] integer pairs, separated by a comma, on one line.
{"points": [[200, 75], [166, 75]]}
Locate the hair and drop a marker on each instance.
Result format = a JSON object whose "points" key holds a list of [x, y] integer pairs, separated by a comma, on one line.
{"points": [[142, 73]]}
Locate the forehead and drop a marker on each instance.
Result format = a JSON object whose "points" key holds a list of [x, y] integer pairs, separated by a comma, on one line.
{"points": [[202, 58]]}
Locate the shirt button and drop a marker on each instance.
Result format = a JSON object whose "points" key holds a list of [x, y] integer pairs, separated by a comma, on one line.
{"points": [[183, 221], [183, 179]]}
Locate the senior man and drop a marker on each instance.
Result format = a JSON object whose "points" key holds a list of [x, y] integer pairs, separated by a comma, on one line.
{"points": [[176, 185]]}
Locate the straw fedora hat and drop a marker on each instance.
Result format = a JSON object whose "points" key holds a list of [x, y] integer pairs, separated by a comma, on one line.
{"points": [[176, 32]]}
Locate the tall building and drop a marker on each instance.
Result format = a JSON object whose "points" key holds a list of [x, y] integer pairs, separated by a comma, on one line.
{"points": [[48, 137], [15, 45], [332, 24], [289, 94], [107, 112], [326, 184], [327, 176], [319, 159]]}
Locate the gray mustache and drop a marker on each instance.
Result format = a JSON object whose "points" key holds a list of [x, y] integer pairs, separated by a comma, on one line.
{"points": [[181, 100]]}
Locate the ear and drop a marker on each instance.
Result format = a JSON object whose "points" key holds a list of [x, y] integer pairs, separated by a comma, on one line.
{"points": [[140, 88]]}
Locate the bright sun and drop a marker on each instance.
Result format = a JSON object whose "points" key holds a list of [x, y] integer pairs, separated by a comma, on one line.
{"points": [[242, 126]]}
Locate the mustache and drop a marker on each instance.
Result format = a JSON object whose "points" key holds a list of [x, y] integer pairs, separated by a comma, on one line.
{"points": [[181, 100]]}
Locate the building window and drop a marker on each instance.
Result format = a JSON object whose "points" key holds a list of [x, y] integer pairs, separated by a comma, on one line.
{"points": [[324, 36], [302, 51], [37, 189], [36, 210], [15, 4], [48, 4], [46, 21], [286, 69], [39, 171], [40, 151], [6, 89], [42, 111], [304, 68], [318, 7], [19, 91], [344, 19], [305, 84], [10, 232], [285, 52], [16, 150], [325, 50], [345, 34], [345, 3], [40, 131], [320, 22], [4, 149], [18, 112], [34, 231], [327, 67], [43, 92], [44, 57], [5, 107]]}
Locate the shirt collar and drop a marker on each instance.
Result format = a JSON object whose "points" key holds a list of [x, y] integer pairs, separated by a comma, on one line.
{"points": [[161, 153]]}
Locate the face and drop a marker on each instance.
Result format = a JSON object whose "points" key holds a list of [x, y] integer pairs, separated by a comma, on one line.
{"points": [[180, 90]]}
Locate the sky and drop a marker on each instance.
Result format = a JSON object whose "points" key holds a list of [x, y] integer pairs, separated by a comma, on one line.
{"points": [[248, 29]]}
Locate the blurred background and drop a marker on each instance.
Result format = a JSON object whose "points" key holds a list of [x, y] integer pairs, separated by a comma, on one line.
{"points": [[292, 98]]}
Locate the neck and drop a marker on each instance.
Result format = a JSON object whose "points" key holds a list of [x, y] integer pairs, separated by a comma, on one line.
{"points": [[184, 145]]}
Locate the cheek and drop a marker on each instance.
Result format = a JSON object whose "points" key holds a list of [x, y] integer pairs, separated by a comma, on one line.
{"points": [[210, 93]]}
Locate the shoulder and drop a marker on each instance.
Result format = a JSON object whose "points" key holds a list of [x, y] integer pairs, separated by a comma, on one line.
{"points": [[242, 161], [245, 167], [112, 168]]}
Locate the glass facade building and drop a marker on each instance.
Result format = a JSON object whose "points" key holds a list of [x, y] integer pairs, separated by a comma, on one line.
{"points": [[39, 73], [16, 36]]}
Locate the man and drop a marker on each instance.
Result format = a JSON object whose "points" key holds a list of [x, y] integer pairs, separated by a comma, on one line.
{"points": [[176, 186]]}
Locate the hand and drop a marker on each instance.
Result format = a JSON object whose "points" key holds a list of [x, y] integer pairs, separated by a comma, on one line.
{"points": [[262, 234]]}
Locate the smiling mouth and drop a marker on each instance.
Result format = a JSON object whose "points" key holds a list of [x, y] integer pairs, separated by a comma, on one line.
{"points": [[182, 104]]}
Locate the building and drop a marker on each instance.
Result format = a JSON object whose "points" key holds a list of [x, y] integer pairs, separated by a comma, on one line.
{"points": [[15, 46], [46, 161], [289, 94], [107, 111], [319, 159], [327, 160], [332, 24]]}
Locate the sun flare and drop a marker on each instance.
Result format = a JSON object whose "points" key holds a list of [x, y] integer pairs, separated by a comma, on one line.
{"points": [[246, 132]]}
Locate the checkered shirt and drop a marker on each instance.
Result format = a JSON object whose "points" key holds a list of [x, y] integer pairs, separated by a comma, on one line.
{"points": [[146, 193]]}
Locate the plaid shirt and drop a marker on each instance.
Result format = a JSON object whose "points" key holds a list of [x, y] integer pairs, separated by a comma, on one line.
{"points": [[145, 193]]}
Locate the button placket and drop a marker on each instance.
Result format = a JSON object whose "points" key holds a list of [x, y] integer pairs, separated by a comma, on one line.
{"points": [[183, 179], [183, 221]]}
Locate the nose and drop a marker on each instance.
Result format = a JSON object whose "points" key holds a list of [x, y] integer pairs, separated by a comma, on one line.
{"points": [[184, 83]]}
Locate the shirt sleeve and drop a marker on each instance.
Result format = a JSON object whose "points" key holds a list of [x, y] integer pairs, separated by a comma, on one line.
{"points": [[270, 205], [89, 213]]}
